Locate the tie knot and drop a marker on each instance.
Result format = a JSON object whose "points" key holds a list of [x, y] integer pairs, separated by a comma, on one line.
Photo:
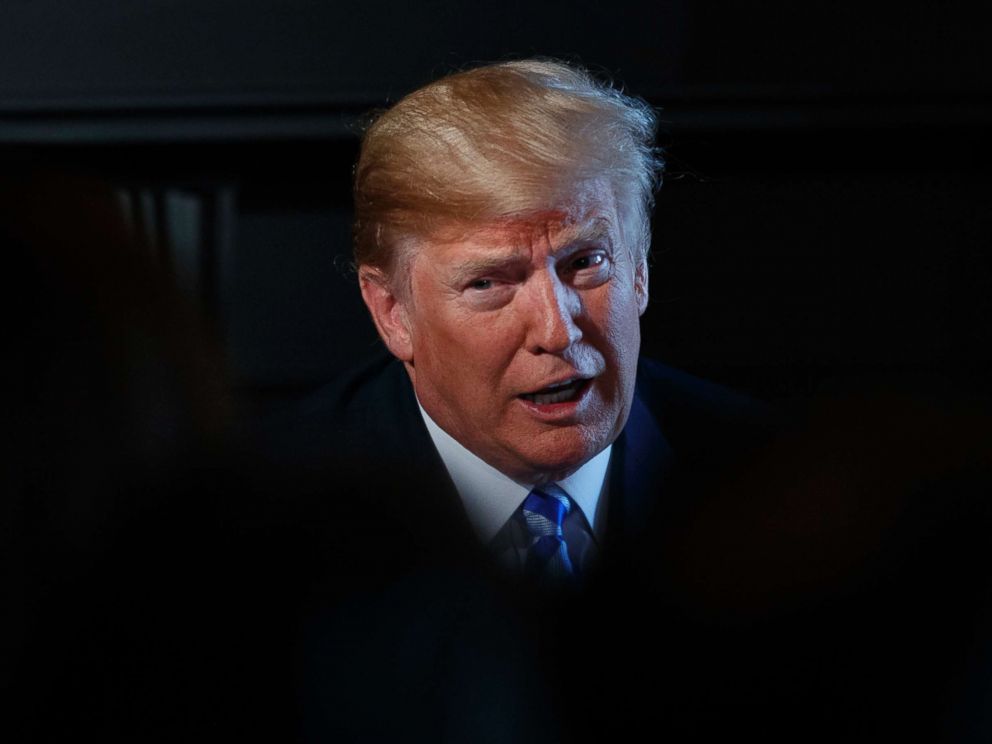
{"points": [[545, 509]]}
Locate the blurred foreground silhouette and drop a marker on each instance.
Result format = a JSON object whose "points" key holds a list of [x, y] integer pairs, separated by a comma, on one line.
{"points": [[121, 572], [160, 586]]}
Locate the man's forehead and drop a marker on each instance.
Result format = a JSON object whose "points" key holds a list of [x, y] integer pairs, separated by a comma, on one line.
{"points": [[575, 220], [553, 227]]}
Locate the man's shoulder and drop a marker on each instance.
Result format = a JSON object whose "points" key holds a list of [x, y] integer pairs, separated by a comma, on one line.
{"points": [[371, 407], [698, 416], [669, 389], [368, 408], [682, 433]]}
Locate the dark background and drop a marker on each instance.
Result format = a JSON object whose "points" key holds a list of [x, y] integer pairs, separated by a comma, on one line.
{"points": [[822, 233], [824, 221]]}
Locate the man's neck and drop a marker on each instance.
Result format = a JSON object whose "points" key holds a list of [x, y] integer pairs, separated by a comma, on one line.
{"points": [[491, 497]]}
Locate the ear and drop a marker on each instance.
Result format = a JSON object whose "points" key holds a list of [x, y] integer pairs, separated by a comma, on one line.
{"points": [[641, 285], [388, 310]]}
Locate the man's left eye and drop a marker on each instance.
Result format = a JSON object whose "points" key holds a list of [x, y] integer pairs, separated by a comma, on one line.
{"points": [[587, 270], [588, 261]]}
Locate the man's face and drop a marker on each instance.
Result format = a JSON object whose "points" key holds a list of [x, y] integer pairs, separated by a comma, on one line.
{"points": [[523, 335]]}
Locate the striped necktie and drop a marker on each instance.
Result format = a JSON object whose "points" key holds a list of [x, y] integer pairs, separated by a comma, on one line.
{"points": [[544, 510]]}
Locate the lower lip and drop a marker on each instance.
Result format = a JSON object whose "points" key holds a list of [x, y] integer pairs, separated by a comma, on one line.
{"points": [[558, 411]]}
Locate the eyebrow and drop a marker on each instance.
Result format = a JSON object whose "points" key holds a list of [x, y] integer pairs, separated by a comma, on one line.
{"points": [[475, 267], [587, 232]]}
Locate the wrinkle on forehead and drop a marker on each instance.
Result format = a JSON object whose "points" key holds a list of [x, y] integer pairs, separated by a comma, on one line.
{"points": [[588, 214], [522, 234], [564, 207]]}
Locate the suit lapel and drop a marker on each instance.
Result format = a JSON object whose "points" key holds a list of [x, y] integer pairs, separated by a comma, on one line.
{"points": [[642, 461], [430, 503], [641, 465]]}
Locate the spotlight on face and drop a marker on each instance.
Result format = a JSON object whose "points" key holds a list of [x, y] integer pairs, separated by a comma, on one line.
{"points": [[521, 335]]}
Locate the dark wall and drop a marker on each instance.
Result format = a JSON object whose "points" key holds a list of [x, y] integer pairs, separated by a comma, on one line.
{"points": [[825, 257], [824, 220], [365, 52]]}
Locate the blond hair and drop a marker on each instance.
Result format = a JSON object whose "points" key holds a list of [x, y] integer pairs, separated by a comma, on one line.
{"points": [[498, 141]]}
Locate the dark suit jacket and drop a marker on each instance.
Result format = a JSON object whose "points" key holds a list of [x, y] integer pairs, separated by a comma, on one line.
{"points": [[366, 431], [780, 596], [406, 605]]}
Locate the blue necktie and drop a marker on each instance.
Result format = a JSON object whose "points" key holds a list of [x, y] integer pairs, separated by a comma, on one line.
{"points": [[544, 510]]}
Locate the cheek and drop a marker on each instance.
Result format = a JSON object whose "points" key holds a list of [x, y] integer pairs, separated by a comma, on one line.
{"points": [[620, 342], [628, 338], [619, 323], [467, 350], [494, 348]]}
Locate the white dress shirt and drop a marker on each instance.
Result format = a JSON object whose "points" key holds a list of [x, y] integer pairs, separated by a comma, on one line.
{"points": [[492, 500]]}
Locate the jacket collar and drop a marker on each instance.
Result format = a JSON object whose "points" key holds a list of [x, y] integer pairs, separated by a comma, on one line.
{"points": [[643, 460]]}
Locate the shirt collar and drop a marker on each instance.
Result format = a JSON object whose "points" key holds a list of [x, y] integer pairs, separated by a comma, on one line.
{"points": [[491, 497]]}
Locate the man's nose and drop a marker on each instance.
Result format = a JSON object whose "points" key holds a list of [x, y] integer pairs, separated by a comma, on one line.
{"points": [[553, 310]]}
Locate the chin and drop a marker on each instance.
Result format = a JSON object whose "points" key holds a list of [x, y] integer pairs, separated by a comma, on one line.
{"points": [[554, 463]]}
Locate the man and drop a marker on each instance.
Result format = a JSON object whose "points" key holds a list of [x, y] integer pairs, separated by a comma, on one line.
{"points": [[512, 294], [511, 439], [502, 230], [518, 534], [501, 235]]}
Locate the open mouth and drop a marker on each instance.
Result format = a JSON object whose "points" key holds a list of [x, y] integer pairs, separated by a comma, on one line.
{"points": [[562, 392]]}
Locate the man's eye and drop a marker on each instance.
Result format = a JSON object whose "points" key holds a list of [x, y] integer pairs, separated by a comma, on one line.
{"points": [[487, 294], [587, 269], [588, 262]]}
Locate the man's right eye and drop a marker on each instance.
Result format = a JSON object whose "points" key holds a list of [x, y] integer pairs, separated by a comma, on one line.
{"points": [[488, 293]]}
